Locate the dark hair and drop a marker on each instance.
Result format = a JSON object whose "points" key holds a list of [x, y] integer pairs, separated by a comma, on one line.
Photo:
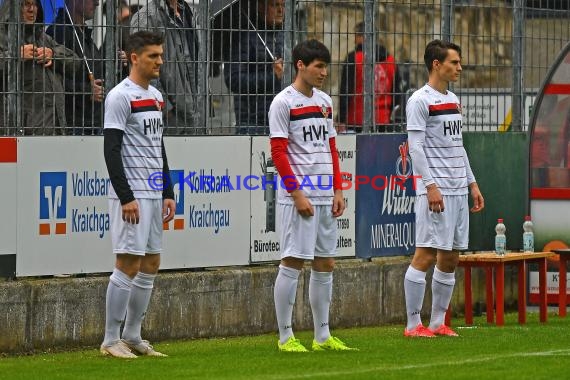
{"points": [[359, 28], [437, 49], [310, 50], [137, 41]]}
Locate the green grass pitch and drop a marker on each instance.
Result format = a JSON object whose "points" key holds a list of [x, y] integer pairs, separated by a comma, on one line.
{"points": [[531, 351]]}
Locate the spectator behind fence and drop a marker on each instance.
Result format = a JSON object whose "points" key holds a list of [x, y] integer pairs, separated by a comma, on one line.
{"points": [[42, 62], [386, 86], [253, 76], [123, 21], [84, 90], [178, 75]]}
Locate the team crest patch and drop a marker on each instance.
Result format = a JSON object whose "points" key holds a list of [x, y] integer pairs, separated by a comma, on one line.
{"points": [[458, 107], [325, 111], [158, 107]]}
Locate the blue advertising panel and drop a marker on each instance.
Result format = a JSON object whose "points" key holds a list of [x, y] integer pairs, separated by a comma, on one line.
{"points": [[385, 196]]}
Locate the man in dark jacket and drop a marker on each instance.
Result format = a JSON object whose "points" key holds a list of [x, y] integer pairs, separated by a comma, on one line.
{"points": [[253, 76], [84, 90], [42, 62], [178, 81]]}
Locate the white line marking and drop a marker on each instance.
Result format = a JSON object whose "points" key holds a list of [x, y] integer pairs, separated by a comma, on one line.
{"points": [[564, 352]]}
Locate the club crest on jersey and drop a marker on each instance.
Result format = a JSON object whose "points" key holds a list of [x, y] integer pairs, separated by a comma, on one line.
{"points": [[458, 107], [325, 111], [158, 107]]}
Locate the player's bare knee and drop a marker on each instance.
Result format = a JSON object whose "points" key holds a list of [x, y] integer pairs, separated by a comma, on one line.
{"points": [[447, 261], [424, 258], [323, 264], [292, 262], [128, 264], [150, 264]]}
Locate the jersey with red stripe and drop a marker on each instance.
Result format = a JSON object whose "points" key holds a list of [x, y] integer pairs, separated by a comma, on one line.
{"points": [[439, 116], [138, 113], [308, 125]]}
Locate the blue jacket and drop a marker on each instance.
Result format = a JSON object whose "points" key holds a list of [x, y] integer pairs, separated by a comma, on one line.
{"points": [[249, 75]]}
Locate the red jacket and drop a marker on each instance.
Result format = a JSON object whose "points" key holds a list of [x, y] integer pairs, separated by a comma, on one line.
{"points": [[384, 74]]}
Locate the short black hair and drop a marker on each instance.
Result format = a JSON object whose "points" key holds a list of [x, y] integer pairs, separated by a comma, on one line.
{"points": [[310, 50], [137, 41], [437, 49], [359, 28]]}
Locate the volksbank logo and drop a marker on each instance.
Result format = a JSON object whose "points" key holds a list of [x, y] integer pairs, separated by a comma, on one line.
{"points": [[178, 222], [53, 203]]}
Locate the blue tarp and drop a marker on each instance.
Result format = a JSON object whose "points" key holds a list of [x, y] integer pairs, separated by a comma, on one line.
{"points": [[50, 9]]}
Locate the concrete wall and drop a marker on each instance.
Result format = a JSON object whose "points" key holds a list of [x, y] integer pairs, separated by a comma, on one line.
{"points": [[38, 314]]}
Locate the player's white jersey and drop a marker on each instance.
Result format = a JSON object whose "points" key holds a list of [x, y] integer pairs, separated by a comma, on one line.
{"points": [[307, 123], [138, 113], [439, 115]]}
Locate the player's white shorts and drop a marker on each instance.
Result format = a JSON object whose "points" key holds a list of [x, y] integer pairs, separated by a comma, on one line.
{"points": [[448, 230], [306, 237], [137, 239]]}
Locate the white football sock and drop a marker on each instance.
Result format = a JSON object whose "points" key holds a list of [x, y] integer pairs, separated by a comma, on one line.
{"points": [[284, 295], [138, 304], [118, 294], [414, 289], [320, 295], [442, 286]]}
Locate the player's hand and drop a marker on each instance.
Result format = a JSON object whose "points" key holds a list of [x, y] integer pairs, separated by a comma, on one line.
{"points": [[168, 210], [338, 204], [435, 199], [303, 205], [478, 201], [131, 212]]}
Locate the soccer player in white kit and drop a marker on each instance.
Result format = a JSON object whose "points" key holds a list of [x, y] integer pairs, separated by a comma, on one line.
{"points": [[309, 196], [135, 154], [442, 210]]}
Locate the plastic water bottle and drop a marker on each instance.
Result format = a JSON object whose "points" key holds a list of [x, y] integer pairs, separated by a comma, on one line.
{"points": [[528, 235], [500, 238]]}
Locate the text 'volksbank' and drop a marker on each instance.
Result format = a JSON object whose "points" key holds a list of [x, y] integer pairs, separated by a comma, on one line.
{"points": [[88, 218]]}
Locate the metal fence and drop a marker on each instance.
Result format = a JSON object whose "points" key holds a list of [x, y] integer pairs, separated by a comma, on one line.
{"points": [[226, 59]]}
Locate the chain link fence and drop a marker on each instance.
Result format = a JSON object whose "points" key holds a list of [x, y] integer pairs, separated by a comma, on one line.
{"points": [[226, 59]]}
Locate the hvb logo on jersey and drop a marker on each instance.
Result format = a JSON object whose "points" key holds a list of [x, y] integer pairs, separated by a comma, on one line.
{"points": [[452, 127], [178, 222], [152, 125], [53, 203], [312, 132], [403, 162]]}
